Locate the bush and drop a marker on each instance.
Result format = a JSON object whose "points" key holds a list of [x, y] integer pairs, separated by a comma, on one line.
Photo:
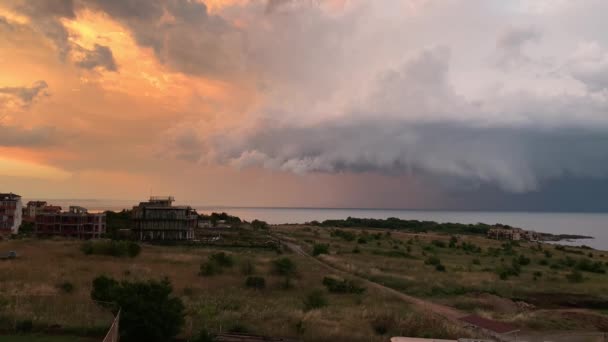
{"points": [[342, 286], [432, 260], [24, 326], [439, 243], [66, 287], [383, 324], [476, 262], [314, 300], [247, 267], [284, 266], [320, 249], [148, 311], [133, 249], [440, 268], [523, 260], [216, 263], [210, 268], [343, 234], [204, 336], [575, 277], [587, 265], [111, 247], [222, 259], [255, 282], [504, 272], [257, 224]]}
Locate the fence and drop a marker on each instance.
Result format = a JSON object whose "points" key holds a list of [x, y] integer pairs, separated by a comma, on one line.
{"points": [[113, 335]]}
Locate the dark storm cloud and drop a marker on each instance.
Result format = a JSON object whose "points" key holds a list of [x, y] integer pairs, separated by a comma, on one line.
{"points": [[100, 57], [46, 18], [413, 122], [182, 33], [26, 94]]}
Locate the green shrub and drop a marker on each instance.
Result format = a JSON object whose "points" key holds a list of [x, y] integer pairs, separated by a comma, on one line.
{"points": [[320, 249], [255, 282], [111, 247], [343, 234], [342, 285], [382, 324], [257, 224], [222, 259], [439, 243], [543, 262], [575, 277], [432, 260], [440, 268], [204, 336], [453, 242], [314, 300], [148, 310], [133, 249], [523, 260], [210, 268], [476, 262], [590, 266], [284, 266], [24, 326], [247, 267], [66, 287]]}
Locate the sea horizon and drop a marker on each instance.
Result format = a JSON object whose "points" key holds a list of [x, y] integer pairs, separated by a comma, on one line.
{"points": [[590, 223]]}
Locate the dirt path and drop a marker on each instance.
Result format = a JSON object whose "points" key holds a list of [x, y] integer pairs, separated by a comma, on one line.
{"points": [[441, 310]]}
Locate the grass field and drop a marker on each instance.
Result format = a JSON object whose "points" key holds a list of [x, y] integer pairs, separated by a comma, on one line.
{"points": [[475, 274], [32, 287], [469, 273]]}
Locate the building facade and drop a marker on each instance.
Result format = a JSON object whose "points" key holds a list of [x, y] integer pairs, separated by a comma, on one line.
{"points": [[77, 222], [11, 211], [158, 219], [32, 209]]}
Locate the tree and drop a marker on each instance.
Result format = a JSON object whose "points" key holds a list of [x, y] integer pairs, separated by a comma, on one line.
{"points": [[257, 224], [148, 311]]}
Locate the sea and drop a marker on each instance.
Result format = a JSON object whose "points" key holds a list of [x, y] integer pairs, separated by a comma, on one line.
{"points": [[588, 224]]}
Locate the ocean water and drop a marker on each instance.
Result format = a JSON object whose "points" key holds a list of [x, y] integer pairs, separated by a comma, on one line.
{"points": [[589, 224]]}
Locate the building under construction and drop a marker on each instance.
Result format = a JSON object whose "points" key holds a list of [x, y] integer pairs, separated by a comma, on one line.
{"points": [[75, 223], [10, 213], [158, 219]]}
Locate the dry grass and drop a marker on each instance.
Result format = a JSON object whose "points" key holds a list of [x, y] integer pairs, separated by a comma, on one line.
{"points": [[398, 261], [28, 286]]}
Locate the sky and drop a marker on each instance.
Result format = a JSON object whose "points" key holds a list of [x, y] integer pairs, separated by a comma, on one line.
{"points": [[423, 104]]}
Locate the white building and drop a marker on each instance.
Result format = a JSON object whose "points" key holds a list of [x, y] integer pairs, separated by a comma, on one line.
{"points": [[11, 211]]}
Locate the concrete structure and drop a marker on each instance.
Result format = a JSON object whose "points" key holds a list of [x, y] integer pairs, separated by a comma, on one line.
{"points": [[11, 211], [32, 209], [76, 223], [158, 219], [499, 232]]}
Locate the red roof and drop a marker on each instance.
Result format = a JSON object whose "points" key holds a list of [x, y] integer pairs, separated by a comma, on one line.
{"points": [[488, 324]]}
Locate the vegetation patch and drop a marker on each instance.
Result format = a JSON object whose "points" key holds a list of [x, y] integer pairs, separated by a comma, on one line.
{"points": [[111, 247], [336, 285]]}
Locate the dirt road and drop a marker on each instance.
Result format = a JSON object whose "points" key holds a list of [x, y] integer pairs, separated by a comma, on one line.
{"points": [[441, 310]]}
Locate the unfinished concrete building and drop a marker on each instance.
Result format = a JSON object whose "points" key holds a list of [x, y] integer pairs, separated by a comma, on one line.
{"points": [[75, 223], [158, 219], [10, 213]]}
